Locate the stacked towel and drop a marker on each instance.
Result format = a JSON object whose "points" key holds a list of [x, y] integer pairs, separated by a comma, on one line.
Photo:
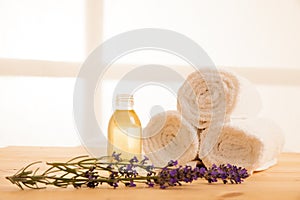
{"points": [[167, 137], [222, 107], [213, 96], [252, 143]]}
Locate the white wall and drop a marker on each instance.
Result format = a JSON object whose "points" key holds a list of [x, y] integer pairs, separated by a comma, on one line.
{"points": [[259, 33], [42, 30], [281, 104], [37, 111]]}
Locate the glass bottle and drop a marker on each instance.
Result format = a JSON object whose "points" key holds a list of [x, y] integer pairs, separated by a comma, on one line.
{"points": [[124, 129]]}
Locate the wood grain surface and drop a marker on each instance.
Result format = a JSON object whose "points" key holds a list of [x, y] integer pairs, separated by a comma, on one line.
{"points": [[279, 182]]}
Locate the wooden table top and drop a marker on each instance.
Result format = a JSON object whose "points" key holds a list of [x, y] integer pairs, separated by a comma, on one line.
{"points": [[279, 182]]}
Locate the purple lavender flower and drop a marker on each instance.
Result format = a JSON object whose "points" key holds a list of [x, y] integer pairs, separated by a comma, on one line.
{"points": [[92, 177], [149, 168], [172, 163], [130, 184], [117, 156], [172, 181], [202, 171], [173, 172], [133, 160], [150, 184], [227, 173], [86, 172], [169, 176], [129, 167], [173, 176], [128, 171], [115, 185], [163, 187], [144, 161]]}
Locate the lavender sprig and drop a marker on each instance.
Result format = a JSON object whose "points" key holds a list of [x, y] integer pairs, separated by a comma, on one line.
{"points": [[113, 170], [174, 176]]}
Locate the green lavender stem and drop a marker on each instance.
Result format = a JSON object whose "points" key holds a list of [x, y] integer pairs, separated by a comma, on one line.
{"points": [[89, 172], [75, 173]]}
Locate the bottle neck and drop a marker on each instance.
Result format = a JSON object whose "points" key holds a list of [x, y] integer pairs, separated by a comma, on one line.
{"points": [[124, 102]]}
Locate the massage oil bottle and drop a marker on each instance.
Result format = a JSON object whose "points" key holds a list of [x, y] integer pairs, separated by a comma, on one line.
{"points": [[124, 129]]}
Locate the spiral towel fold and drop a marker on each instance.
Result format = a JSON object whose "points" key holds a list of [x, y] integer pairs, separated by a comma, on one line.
{"points": [[215, 121], [210, 94], [170, 137], [252, 143]]}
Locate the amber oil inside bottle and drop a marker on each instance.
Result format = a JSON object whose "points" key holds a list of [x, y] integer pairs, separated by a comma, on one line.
{"points": [[124, 129]]}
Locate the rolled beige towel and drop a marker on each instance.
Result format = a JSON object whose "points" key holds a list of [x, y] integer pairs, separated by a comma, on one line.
{"points": [[253, 143], [213, 96], [170, 137]]}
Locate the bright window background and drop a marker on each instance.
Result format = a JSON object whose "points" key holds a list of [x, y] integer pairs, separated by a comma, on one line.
{"points": [[42, 30], [243, 34], [239, 33], [37, 111]]}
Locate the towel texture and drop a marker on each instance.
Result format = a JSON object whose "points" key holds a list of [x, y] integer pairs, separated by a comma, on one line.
{"points": [[170, 137], [211, 96], [252, 143], [216, 122]]}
